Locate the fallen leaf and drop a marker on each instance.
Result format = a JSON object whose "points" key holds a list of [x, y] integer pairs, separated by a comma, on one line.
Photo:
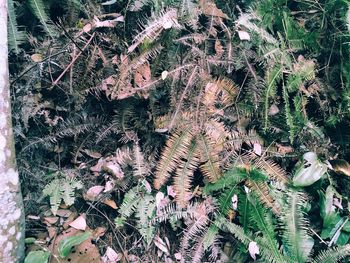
{"points": [[209, 8], [79, 223], [178, 256], [243, 35], [142, 75], [164, 74], [63, 212], [109, 186], [99, 232], [160, 244], [257, 149], [170, 191], [234, 200], [93, 154], [93, 192], [110, 203], [51, 219], [111, 256], [253, 249], [37, 57]]}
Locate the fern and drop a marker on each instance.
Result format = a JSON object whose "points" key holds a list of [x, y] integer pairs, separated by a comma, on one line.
{"points": [[39, 10], [332, 255], [184, 174], [176, 148], [16, 36], [61, 189], [210, 155], [298, 242]]}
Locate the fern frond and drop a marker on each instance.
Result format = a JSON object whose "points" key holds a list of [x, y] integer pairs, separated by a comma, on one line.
{"points": [[39, 10], [145, 212], [272, 169], [264, 223], [183, 176], [140, 167], [234, 229], [176, 148], [209, 151], [261, 189], [296, 239], [130, 202], [154, 28], [16, 37], [230, 178], [273, 76], [333, 255]]}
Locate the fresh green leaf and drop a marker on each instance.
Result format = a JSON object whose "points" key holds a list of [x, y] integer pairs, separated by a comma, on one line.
{"points": [[65, 245], [39, 256]]}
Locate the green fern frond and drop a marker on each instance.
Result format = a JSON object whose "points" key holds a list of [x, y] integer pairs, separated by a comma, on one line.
{"points": [[264, 223], [16, 37], [333, 255], [61, 189], [130, 202], [236, 230], [296, 239], [230, 178], [145, 212], [39, 10], [273, 76]]}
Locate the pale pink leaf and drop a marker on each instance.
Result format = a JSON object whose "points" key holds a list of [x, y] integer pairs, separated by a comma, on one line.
{"points": [[253, 249], [79, 223]]}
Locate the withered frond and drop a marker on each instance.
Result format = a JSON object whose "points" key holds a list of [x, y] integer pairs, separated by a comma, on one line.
{"points": [[184, 175], [209, 151], [261, 189], [176, 148]]}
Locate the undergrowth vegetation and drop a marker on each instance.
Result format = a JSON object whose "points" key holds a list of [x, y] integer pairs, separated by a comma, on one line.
{"points": [[190, 131]]}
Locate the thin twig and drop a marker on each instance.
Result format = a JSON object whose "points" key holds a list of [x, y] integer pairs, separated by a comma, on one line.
{"points": [[72, 62]]}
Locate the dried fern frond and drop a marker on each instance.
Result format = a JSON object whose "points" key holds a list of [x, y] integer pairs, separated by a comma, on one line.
{"points": [[154, 28], [272, 169], [183, 176], [176, 148], [261, 189], [209, 152]]}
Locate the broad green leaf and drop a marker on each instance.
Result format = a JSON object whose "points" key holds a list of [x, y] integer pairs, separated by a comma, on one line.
{"points": [[39, 256], [29, 240], [66, 244], [310, 172]]}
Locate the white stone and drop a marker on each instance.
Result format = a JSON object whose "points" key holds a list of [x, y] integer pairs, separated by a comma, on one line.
{"points": [[12, 230]]}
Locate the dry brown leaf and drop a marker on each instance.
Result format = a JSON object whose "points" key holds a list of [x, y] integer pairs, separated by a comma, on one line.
{"points": [[69, 220], [93, 192], [110, 203], [142, 75], [63, 212], [111, 256], [93, 154], [209, 8], [341, 166], [99, 232], [79, 223], [51, 220], [37, 57], [219, 49], [161, 244]]}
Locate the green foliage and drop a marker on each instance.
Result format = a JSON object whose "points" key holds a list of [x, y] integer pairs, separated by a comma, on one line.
{"points": [[61, 189], [65, 245], [16, 36], [38, 256]]}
